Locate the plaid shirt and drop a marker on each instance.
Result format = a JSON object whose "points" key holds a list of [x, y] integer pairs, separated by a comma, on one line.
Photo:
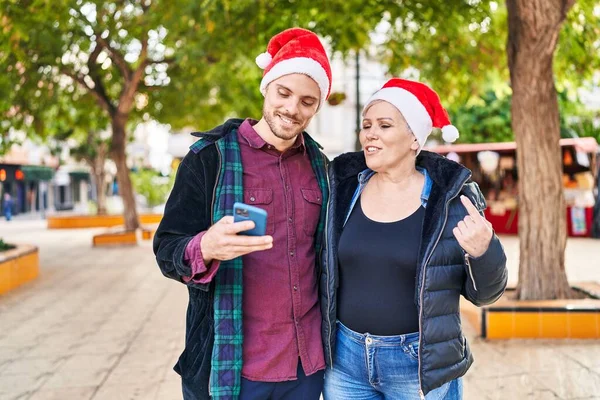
{"points": [[226, 360]]}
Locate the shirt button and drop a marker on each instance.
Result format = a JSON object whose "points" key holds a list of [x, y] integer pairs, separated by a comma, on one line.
{"points": [[290, 219], [252, 199], [292, 253], [369, 340], [295, 287]]}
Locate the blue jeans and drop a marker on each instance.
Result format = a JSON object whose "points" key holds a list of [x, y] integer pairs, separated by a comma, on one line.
{"points": [[369, 367]]}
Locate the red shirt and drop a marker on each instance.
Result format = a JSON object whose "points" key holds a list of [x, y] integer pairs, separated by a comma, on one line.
{"points": [[282, 319]]}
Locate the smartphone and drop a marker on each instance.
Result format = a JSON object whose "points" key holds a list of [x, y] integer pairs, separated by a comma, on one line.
{"points": [[245, 212]]}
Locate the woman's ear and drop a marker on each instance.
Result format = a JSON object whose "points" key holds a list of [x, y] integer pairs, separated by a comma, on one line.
{"points": [[414, 145]]}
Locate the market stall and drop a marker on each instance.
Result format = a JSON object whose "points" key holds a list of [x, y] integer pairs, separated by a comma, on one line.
{"points": [[494, 168]]}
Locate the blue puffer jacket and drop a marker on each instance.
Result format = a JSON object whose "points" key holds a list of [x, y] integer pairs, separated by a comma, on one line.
{"points": [[444, 271]]}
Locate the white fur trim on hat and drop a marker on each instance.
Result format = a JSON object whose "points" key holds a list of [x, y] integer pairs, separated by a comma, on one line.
{"points": [[298, 65], [449, 133], [410, 107], [263, 60]]}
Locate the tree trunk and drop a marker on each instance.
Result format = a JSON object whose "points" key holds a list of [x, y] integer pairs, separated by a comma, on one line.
{"points": [[534, 26], [120, 158], [100, 178], [98, 168], [97, 165]]}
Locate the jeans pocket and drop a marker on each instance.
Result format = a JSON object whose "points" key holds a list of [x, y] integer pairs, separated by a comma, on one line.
{"points": [[412, 349]]}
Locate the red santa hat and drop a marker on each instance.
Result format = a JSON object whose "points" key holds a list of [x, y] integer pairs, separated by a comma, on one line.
{"points": [[419, 105], [296, 51]]}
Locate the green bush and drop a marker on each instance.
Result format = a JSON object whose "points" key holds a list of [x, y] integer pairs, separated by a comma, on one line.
{"points": [[488, 119], [5, 246], [153, 186]]}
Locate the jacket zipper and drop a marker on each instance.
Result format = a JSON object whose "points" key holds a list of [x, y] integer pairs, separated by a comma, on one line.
{"points": [[326, 268], [212, 216], [421, 394], [468, 263]]}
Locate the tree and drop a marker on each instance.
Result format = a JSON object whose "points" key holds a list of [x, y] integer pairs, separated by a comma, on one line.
{"points": [[533, 35], [94, 151]]}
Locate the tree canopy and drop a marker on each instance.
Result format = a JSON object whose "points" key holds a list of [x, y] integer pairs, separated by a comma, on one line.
{"points": [[199, 55]]}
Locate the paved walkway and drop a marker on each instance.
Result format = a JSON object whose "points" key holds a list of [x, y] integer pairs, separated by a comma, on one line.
{"points": [[105, 324]]}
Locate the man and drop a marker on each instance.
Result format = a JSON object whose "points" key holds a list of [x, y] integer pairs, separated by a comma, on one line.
{"points": [[269, 348]]}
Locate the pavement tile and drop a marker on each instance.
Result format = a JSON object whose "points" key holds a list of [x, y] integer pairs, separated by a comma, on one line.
{"points": [[585, 352], [125, 374], [16, 386], [572, 383], [536, 355], [169, 389], [72, 379], [99, 348], [127, 392], [57, 349], [87, 361], [33, 366], [12, 352], [518, 387], [145, 359], [80, 393], [490, 363]]}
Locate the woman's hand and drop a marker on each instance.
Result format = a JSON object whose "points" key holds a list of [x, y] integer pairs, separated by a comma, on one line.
{"points": [[474, 232]]}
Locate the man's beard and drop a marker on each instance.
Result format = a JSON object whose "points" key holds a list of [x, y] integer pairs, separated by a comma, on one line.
{"points": [[276, 125]]}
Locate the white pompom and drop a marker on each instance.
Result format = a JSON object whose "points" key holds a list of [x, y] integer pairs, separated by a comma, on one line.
{"points": [[263, 60], [449, 133]]}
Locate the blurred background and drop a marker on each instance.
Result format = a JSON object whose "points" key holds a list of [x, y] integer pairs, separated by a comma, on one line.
{"points": [[97, 103]]}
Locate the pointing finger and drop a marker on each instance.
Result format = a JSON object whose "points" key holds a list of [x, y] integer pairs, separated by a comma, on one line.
{"points": [[471, 209]]}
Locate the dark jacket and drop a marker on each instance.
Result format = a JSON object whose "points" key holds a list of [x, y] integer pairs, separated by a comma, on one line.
{"points": [[443, 273], [187, 213]]}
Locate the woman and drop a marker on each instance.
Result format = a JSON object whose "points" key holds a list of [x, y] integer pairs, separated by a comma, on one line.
{"points": [[406, 237]]}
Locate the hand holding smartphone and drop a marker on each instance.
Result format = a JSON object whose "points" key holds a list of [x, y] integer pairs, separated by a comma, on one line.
{"points": [[245, 212]]}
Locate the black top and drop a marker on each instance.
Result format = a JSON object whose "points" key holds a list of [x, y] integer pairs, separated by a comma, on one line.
{"points": [[377, 266]]}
